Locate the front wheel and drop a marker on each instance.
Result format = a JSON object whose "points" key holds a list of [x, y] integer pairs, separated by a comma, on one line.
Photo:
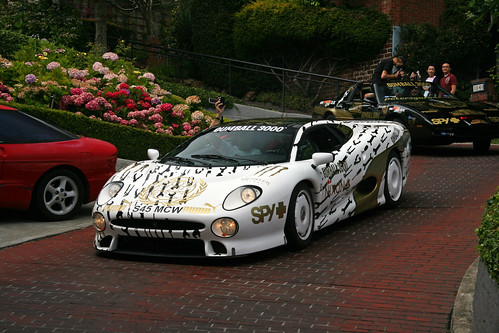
{"points": [[393, 180], [300, 220], [58, 195]]}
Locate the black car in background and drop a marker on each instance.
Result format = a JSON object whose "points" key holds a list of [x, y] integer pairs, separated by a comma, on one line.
{"points": [[432, 114]]}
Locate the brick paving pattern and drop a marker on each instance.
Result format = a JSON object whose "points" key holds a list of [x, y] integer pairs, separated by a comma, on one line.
{"points": [[384, 271]]}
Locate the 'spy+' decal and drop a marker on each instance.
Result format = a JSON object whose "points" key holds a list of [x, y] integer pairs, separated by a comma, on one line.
{"points": [[262, 212]]}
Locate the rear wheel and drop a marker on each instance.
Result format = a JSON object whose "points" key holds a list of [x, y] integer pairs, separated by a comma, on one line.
{"points": [[393, 180], [300, 220], [58, 195], [481, 145]]}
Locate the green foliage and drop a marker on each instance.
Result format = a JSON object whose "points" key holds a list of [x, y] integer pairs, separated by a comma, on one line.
{"points": [[10, 42], [458, 40], [493, 72], [205, 26], [280, 29], [488, 237], [57, 21], [293, 102], [132, 143]]}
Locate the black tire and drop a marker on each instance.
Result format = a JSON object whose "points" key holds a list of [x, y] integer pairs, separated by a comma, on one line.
{"points": [[300, 220], [393, 180], [481, 145], [58, 195], [398, 120], [330, 116]]}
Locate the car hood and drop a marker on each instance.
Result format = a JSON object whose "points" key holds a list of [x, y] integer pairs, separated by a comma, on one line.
{"points": [[154, 183], [450, 107]]}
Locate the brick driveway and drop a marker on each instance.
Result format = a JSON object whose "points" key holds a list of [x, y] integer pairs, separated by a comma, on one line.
{"points": [[386, 270]]}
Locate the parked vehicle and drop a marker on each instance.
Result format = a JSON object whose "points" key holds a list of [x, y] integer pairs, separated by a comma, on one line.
{"points": [[432, 115], [252, 185], [49, 170]]}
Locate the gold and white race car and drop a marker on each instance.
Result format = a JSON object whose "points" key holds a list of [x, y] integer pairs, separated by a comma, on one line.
{"points": [[252, 185]]}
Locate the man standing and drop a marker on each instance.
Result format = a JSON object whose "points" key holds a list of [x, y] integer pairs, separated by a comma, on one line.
{"points": [[449, 81], [383, 71]]}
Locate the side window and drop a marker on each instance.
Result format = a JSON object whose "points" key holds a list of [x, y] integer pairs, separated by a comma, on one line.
{"points": [[305, 149], [324, 139]]}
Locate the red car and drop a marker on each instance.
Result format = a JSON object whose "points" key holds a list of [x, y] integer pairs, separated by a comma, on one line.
{"points": [[48, 170]]}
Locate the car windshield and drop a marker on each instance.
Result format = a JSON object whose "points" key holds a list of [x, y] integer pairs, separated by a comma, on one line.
{"points": [[235, 145], [17, 127], [411, 90]]}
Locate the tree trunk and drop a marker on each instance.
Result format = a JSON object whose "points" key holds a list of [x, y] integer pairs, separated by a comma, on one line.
{"points": [[100, 43]]}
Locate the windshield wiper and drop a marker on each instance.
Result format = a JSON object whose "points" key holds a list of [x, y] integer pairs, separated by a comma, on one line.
{"points": [[214, 157], [178, 159], [226, 158]]}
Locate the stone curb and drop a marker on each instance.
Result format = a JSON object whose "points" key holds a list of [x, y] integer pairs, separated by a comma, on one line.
{"points": [[462, 312]]}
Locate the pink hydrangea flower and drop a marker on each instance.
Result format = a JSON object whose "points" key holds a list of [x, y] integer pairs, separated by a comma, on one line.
{"points": [[166, 107], [92, 106], [52, 65], [79, 100], [76, 91], [77, 73], [149, 76], [97, 66], [156, 118], [110, 56], [104, 70], [110, 76]]}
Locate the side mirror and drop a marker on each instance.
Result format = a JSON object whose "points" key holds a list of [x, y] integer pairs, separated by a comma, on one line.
{"points": [[153, 154], [322, 158]]}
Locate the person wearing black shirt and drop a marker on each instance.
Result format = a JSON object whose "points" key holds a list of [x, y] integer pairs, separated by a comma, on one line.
{"points": [[383, 71]]}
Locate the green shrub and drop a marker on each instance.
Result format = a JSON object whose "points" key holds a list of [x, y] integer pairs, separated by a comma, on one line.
{"points": [[132, 143], [10, 42], [293, 102], [58, 21], [281, 29], [488, 237]]}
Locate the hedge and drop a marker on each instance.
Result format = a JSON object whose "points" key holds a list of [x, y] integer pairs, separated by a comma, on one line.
{"points": [[488, 236], [132, 143]]}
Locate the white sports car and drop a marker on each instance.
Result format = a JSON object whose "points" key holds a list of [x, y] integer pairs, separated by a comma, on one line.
{"points": [[251, 185]]}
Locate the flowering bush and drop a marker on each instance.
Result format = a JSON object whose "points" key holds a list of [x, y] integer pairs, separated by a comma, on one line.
{"points": [[5, 93], [102, 87], [30, 78]]}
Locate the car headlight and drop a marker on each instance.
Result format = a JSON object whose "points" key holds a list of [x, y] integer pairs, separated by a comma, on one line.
{"points": [[224, 227], [99, 221], [241, 196], [109, 191]]}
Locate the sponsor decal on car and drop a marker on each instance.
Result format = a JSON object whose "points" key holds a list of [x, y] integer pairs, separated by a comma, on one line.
{"points": [[265, 213], [172, 191]]}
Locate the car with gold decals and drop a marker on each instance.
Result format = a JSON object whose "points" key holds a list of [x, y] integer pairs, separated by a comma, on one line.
{"points": [[251, 185], [432, 114]]}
